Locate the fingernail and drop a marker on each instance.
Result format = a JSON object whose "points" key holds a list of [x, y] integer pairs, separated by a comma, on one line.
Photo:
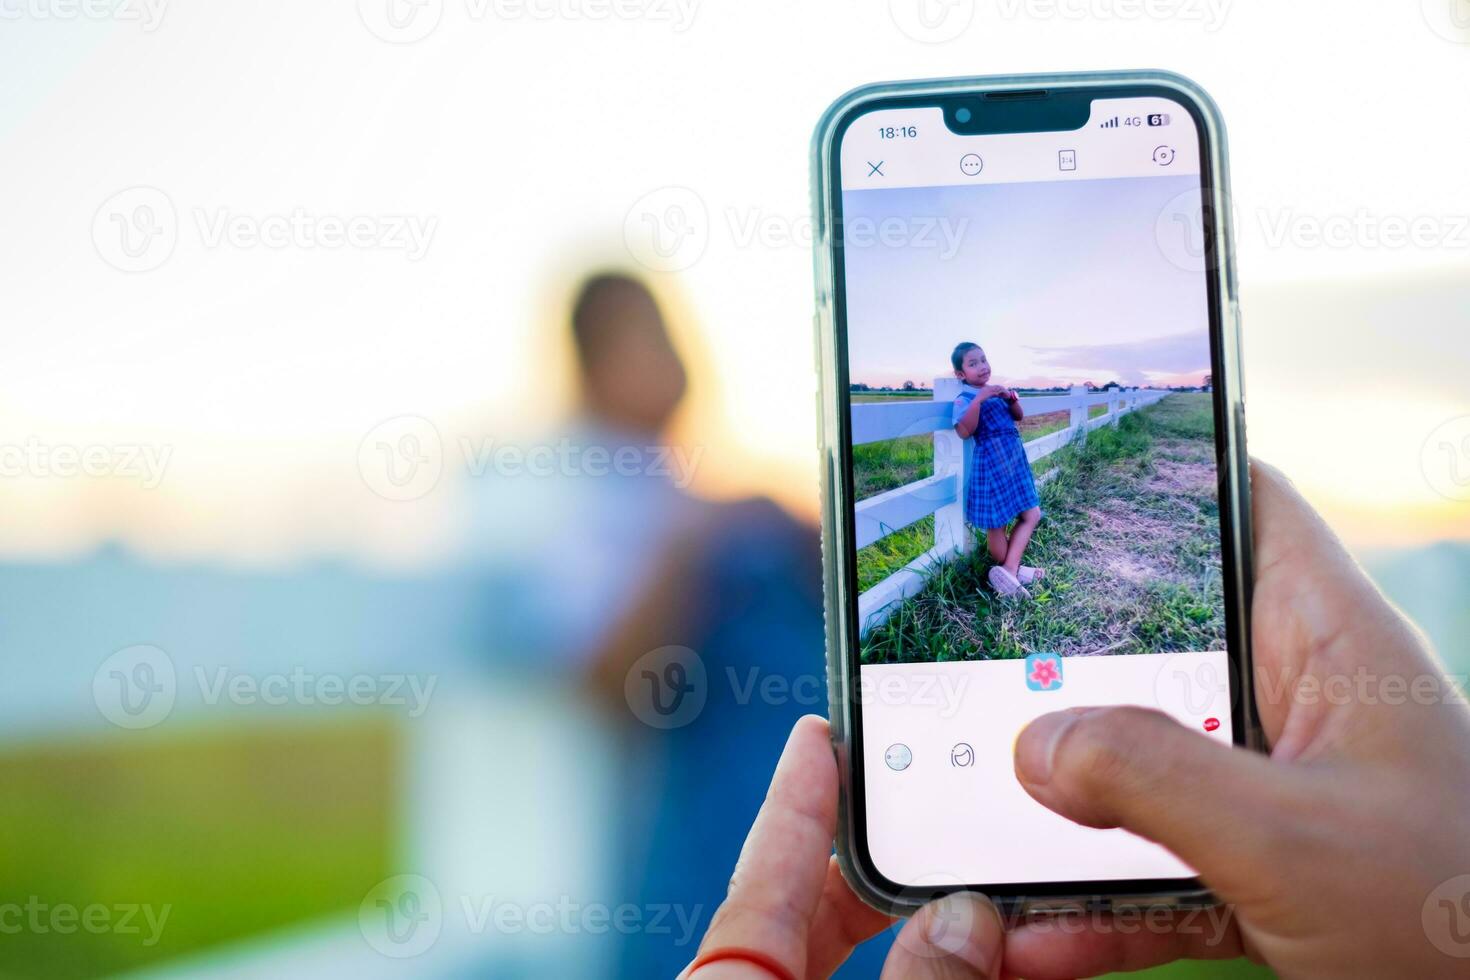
{"points": [[967, 927], [1036, 747]]}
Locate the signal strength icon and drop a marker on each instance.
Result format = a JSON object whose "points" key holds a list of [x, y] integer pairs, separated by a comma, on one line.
{"points": [[1110, 123]]}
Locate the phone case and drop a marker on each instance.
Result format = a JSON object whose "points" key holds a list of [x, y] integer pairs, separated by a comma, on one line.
{"points": [[1235, 485]]}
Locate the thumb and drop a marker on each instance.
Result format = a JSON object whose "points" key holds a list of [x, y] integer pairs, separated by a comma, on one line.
{"points": [[1225, 811], [959, 935]]}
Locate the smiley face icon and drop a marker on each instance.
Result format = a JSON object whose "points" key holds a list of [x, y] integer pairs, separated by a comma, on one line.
{"points": [[971, 164]]}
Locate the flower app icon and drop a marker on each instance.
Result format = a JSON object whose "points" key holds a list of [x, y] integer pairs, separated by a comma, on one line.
{"points": [[1044, 672]]}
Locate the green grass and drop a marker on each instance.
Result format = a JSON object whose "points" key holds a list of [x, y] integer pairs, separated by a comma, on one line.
{"points": [[1241, 969], [1130, 541], [237, 831], [880, 466], [887, 555]]}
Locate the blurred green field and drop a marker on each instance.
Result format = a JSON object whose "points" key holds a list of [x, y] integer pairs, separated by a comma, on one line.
{"points": [[1203, 970], [238, 832]]}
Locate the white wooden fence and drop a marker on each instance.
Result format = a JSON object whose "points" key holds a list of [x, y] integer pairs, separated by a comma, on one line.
{"points": [[942, 494]]}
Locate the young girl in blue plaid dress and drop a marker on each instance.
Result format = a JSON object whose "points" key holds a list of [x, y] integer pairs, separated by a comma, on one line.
{"points": [[998, 488]]}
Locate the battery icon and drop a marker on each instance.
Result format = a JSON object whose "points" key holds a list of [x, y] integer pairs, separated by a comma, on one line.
{"points": [[1158, 119]]}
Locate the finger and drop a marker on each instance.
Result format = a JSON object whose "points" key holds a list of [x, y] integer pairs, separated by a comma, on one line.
{"points": [[1086, 944], [1315, 614], [1306, 581], [1288, 531], [842, 921], [959, 935], [782, 870], [1227, 812]]}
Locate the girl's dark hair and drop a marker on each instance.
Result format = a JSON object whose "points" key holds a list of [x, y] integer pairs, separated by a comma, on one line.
{"points": [[958, 357], [608, 304]]}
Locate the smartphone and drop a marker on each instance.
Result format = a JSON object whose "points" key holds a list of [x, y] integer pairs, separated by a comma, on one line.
{"points": [[1034, 464]]}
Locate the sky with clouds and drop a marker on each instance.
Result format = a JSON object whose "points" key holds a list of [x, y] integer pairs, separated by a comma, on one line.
{"points": [[1061, 282]]}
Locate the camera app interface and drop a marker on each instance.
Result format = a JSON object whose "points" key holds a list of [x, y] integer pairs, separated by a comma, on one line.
{"points": [[1034, 472]]}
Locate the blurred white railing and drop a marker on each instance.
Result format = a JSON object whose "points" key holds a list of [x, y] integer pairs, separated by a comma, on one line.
{"points": [[942, 494]]}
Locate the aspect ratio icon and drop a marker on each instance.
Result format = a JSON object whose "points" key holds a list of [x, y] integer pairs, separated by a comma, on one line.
{"points": [[971, 164], [1067, 159]]}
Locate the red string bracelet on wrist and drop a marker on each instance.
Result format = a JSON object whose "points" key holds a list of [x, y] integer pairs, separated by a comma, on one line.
{"points": [[752, 956]]}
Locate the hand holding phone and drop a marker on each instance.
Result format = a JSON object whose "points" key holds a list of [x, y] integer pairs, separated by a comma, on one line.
{"points": [[1288, 841]]}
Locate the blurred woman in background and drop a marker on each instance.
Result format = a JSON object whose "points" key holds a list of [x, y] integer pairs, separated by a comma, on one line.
{"points": [[721, 598]]}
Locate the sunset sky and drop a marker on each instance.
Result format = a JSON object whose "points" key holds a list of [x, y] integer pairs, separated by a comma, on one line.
{"points": [[263, 369]]}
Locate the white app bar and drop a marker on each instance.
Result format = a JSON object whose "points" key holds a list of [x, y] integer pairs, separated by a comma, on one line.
{"points": [[942, 794], [892, 148]]}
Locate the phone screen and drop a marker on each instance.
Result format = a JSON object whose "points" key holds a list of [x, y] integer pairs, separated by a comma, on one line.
{"points": [[1028, 328]]}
